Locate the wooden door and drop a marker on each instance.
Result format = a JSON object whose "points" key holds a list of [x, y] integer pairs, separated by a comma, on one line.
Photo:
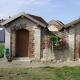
{"points": [[22, 43]]}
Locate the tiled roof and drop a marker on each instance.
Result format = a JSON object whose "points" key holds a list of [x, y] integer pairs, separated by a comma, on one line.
{"points": [[39, 19], [58, 24], [36, 19], [72, 23]]}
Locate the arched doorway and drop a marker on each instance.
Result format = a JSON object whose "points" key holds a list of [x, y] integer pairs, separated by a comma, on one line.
{"points": [[22, 43]]}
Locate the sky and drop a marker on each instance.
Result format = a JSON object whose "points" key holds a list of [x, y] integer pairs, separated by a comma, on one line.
{"points": [[63, 10]]}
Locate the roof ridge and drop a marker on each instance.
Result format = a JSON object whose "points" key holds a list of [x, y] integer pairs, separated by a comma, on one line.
{"points": [[72, 22], [33, 15], [34, 18]]}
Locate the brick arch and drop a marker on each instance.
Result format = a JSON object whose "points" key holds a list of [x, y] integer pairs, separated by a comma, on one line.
{"points": [[31, 39]]}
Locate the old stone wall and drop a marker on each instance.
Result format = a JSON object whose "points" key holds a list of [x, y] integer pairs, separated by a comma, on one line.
{"points": [[77, 42], [43, 36], [59, 53]]}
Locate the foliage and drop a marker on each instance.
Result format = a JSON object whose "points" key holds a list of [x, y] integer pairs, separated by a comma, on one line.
{"points": [[42, 73], [1, 51], [57, 41]]}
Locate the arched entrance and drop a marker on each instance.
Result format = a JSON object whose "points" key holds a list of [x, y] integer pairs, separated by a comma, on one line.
{"points": [[22, 43]]}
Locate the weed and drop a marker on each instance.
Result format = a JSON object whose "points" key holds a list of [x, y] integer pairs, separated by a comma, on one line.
{"points": [[1, 75], [1, 51]]}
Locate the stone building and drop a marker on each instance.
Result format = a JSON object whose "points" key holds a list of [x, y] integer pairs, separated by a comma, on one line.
{"points": [[71, 33], [73, 29], [55, 26], [24, 35]]}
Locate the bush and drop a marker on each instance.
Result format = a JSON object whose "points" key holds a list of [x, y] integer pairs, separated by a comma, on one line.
{"points": [[1, 51]]}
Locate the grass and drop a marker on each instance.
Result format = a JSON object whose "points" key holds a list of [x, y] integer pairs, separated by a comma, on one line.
{"points": [[1, 51], [42, 73]]}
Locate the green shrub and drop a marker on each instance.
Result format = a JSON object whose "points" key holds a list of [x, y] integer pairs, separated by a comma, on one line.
{"points": [[1, 51]]}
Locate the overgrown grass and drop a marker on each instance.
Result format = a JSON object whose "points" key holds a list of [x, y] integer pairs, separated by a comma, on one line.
{"points": [[42, 73], [1, 51]]}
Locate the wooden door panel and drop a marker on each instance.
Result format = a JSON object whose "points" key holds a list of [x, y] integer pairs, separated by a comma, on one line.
{"points": [[22, 43]]}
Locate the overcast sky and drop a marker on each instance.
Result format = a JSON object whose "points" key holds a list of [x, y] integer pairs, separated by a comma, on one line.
{"points": [[63, 10]]}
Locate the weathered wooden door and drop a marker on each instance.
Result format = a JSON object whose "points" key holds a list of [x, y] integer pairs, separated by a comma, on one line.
{"points": [[22, 43]]}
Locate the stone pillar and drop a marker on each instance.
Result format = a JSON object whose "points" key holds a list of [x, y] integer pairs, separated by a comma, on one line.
{"points": [[77, 44], [37, 43], [71, 43], [7, 37]]}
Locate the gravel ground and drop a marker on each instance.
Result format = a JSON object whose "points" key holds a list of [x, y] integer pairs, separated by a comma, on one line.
{"points": [[25, 64], [2, 43]]}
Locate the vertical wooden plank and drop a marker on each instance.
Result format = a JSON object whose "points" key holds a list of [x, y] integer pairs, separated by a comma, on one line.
{"points": [[22, 43]]}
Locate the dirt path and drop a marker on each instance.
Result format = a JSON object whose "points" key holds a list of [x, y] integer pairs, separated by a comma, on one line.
{"points": [[2, 43], [24, 64]]}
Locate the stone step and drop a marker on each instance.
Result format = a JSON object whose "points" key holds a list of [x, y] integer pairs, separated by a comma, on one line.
{"points": [[23, 59]]}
